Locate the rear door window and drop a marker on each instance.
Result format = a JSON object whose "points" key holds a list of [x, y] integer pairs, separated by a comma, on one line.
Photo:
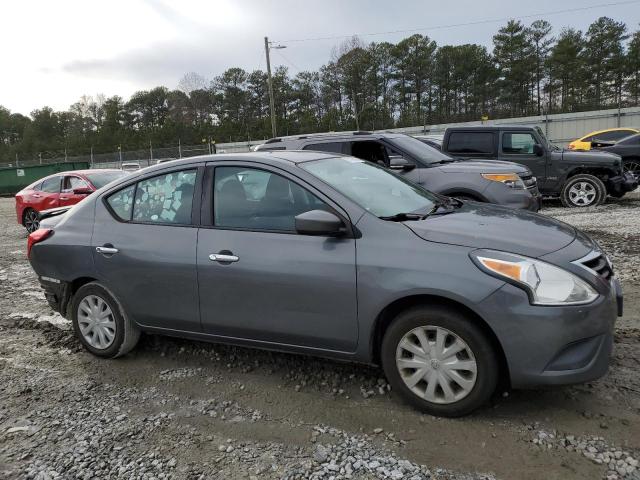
{"points": [[165, 198], [51, 185], [332, 147], [471, 142]]}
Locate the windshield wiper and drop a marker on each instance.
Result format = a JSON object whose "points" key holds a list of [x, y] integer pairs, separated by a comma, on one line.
{"points": [[402, 216]]}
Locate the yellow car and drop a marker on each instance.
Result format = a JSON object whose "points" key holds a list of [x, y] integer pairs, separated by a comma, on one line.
{"points": [[608, 135]]}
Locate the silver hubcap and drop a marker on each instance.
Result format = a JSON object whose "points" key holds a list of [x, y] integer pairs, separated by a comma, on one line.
{"points": [[31, 221], [436, 364], [582, 193], [96, 322]]}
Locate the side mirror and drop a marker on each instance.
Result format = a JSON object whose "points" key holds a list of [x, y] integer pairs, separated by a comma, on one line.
{"points": [[319, 222], [82, 191], [398, 162], [538, 150]]}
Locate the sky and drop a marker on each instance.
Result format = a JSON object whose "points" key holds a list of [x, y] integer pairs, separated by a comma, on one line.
{"points": [[56, 51]]}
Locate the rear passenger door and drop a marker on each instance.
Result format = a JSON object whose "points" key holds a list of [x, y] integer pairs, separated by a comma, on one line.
{"points": [[144, 248]]}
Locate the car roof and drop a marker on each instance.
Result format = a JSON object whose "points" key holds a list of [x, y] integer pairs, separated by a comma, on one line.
{"points": [[617, 129], [273, 157], [500, 126], [329, 136]]}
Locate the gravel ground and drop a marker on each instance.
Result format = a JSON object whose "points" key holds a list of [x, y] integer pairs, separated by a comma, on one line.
{"points": [[188, 410]]}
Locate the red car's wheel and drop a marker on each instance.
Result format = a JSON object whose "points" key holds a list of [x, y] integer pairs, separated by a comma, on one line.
{"points": [[31, 220]]}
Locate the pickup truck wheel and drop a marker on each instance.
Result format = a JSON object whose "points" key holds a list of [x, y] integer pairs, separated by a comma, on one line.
{"points": [[101, 324], [439, 361], [583, 191]]}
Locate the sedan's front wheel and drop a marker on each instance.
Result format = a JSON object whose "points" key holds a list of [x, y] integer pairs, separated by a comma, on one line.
{"points": [[100, 322], [439, 361]]}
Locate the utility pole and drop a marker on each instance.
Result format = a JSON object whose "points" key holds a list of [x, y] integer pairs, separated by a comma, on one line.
{"points": [[272, 110]]}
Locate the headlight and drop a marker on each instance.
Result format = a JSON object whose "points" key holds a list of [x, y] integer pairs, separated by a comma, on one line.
{"points": [[546, 284], [509, 179]]}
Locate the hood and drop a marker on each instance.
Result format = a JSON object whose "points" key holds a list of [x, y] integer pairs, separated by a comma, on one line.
{"points": [[480, 225], [589, 156], [483, 166]]}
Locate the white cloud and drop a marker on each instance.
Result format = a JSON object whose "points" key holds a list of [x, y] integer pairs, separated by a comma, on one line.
{"points": [[55, 51]]}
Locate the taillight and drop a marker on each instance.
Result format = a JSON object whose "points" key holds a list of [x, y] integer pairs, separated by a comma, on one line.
{"points": [[36, 237]]}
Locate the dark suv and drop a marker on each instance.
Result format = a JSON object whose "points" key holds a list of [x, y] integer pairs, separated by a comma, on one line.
{"points": [[503, 183], [579, 178]]}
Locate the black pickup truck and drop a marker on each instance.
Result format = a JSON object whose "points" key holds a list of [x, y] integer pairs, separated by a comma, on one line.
{"points": [[578, 178]]}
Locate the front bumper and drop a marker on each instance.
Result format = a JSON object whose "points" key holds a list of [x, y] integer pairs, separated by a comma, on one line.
{"points": [[624, 183], [556, 345], [524, 199]]}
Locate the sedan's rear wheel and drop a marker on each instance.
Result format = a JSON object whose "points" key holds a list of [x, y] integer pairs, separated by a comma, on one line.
{"points": [[439, 361], [31, 220], [100, 322]]}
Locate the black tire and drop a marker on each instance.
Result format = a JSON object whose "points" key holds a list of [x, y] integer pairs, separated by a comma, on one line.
{"points": [[632, 165], [30, 220], [459, 325], [594, 190], [127, 333]]}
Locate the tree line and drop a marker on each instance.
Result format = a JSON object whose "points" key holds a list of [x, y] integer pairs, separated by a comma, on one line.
{"points": [[365, 86]]}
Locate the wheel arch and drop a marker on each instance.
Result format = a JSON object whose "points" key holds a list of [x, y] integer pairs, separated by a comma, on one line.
{"points": [[390, 312], [603, 173], [72, 288], [453, 192]]}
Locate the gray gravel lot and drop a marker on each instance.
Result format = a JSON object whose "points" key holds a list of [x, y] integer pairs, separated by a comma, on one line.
{"points": [[187, 410]]}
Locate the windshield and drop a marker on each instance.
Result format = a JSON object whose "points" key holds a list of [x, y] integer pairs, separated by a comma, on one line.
{"points": [[370, 186], [546, 141], [100, 179], [418, 150]]}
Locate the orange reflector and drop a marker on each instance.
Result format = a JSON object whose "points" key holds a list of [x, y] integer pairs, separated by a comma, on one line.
{"points": [[511, 270], [501, 177]]}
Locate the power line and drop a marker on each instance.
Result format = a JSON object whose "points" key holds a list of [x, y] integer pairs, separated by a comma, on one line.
{"points": [[453, 25], [288, 61]]}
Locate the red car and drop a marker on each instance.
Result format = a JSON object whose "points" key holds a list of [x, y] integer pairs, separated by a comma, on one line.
{"points": [[59, 190]]}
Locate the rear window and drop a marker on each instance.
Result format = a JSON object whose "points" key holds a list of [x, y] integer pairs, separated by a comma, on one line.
{"points": [[471, 142]]}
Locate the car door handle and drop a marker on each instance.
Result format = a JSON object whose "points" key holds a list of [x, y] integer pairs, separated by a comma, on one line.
{"points": [[223, 258], [106, 250]]}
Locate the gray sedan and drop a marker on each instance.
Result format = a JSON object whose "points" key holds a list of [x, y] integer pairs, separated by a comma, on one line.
{"points": [[331, 255]]}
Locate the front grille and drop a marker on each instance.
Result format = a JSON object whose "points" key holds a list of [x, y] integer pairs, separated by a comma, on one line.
{"points": [[599, 264], [530, 182]]}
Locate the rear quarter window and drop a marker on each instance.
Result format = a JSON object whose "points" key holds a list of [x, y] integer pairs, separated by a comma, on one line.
{"points": [[471, 142], [121, 202]]}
